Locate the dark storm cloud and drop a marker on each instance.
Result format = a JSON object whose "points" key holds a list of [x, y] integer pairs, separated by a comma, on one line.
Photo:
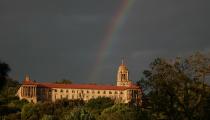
{"points": [[53, 39]]}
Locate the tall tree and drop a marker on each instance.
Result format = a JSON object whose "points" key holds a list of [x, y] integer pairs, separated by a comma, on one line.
{"points": [[4, 70], [177, 88]]}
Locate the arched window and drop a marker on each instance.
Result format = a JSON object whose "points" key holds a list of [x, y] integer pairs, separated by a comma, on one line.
{"points": [[123, 76]]}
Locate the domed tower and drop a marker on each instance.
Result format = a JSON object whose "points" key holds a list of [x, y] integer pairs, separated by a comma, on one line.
{"points": [[123, 76]]}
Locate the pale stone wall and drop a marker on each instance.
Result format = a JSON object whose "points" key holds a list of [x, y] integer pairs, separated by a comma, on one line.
{"points": [[123, 96]]}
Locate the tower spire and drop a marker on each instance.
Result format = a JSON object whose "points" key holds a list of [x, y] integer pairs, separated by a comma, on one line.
{"points": [[27, 77], [123, 61]]}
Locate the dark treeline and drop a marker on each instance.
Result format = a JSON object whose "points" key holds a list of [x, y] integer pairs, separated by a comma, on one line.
{"points": [[176, 89]]}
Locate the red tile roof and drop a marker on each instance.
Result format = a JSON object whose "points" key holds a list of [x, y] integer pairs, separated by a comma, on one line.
{"points": [[81, 86]]}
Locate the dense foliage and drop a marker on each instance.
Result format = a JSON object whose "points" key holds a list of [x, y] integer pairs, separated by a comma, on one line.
{"points": [[178, 89]]}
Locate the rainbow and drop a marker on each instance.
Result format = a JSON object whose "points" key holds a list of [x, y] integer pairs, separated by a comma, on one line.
{"points": [[111, 36]]}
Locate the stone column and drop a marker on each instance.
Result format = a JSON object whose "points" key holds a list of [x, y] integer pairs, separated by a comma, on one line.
{"points": [[35, 91], [24, 91], [21, 91], [29, 91]]}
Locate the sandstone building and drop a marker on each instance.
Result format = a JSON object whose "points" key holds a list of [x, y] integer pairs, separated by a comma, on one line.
{"points": [[123, 92]]}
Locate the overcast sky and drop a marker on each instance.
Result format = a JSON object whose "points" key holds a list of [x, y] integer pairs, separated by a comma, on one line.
{"points": [[56, 39]]}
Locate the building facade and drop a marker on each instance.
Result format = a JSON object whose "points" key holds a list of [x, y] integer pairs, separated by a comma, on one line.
{"points": [[123, 92]]}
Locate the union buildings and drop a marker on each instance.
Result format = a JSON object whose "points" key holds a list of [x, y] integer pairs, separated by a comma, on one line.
{"points": [[123, 92]]}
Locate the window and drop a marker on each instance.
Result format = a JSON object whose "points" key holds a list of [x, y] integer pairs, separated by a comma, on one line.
{"points": [[73, 91], [110, 92], [50, 92], [81, 91], [72, 96], [98, 92], [55, 90], [104, 92], [61, 90], [67, 91], [87, 91], [93, 91], [61, 96], [123, 76], [115, 92], [121, 92]]}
